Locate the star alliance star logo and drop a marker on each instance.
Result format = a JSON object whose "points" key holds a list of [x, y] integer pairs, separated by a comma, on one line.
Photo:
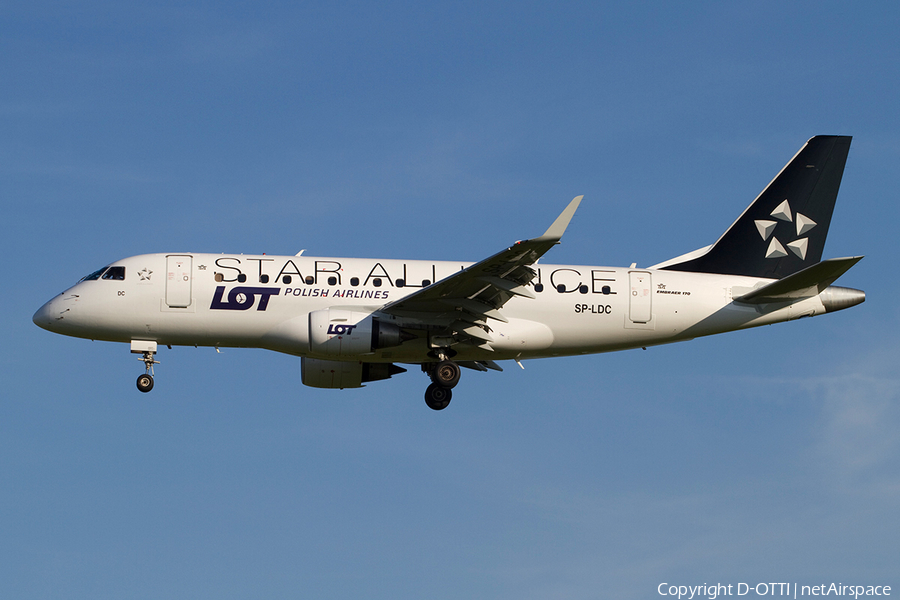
{"points": [[145, 274], [783, 213]]}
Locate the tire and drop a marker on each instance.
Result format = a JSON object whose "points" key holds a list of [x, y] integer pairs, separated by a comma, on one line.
{"points": [[437, 397], [145, 383], [446, 374]]}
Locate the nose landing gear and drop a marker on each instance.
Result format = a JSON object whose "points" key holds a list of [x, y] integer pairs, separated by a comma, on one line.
{"points": [[146, 350], [145, 381]]}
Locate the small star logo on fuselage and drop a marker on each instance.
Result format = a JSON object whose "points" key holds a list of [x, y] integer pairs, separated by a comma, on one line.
{"points": [[145, 274]]}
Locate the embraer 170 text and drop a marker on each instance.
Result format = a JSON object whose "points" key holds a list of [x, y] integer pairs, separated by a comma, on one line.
{"points": [[353, 320]]}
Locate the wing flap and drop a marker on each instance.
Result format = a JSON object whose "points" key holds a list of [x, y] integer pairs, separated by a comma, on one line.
{"points": [[480, 365], [474, 307], [509, 286], [473, 331]]}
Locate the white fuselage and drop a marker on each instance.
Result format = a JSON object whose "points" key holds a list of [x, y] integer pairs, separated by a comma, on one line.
{"points": [[265, 301]]}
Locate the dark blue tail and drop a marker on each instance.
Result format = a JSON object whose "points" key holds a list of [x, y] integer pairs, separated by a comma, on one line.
{"points": [[784, 230]]}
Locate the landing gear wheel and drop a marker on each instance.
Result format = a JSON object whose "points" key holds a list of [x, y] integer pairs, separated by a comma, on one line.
{"points": [[145, 383], [446, 374], [437, 397]]}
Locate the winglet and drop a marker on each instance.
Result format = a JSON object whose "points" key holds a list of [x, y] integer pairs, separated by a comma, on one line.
{"points": [[555, 232]]}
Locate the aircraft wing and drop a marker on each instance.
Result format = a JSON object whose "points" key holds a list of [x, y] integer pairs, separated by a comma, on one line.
{"points": [[461, 304]]}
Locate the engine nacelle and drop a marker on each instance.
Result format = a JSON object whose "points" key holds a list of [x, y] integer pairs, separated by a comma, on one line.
{"points": [[320, 373], [341, 332]]}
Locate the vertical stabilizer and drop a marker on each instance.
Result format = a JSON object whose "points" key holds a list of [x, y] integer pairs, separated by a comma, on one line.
{"points": [[784, 230]]}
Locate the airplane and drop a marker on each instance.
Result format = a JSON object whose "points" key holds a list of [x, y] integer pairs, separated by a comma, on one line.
{"points": [[353, 321]]}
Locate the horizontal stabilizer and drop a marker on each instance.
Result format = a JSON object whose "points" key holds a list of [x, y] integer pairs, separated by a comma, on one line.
{"points": [[811, 281]]}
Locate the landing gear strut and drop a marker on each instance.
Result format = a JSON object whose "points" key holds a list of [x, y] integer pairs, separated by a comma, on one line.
{"points": [[444, 377]]}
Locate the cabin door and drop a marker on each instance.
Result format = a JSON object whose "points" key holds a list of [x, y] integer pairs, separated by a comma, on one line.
{"points": [[178, 280], [640, 297]]}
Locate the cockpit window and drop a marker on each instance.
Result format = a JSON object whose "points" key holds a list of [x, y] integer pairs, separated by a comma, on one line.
{"points": [[115, 273], [95, 275]]}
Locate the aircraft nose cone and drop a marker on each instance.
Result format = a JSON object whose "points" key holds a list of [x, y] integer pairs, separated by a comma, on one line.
{"points": [[49, 315], [43, 317]]}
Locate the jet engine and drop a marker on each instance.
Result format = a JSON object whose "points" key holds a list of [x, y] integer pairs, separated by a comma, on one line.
{"points": [[341, 332], [320, 373]]}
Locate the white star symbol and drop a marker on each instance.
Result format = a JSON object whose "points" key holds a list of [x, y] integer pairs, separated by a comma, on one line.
{"points": [[783, 213], [145, 274]]}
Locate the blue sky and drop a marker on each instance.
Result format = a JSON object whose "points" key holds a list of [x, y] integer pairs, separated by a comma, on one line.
{"points": [[444, 132]]}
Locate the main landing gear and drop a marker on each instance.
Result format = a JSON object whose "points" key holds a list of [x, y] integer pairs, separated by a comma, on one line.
{"points": [[444, 377], [146, 350]]}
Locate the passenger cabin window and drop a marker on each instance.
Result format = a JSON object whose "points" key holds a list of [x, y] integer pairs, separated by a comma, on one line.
{"points": [[115, 273], [95, 275]]}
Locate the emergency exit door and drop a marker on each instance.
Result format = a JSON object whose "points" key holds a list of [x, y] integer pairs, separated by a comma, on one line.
{"points": [[178, 281], [641, 297]]}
